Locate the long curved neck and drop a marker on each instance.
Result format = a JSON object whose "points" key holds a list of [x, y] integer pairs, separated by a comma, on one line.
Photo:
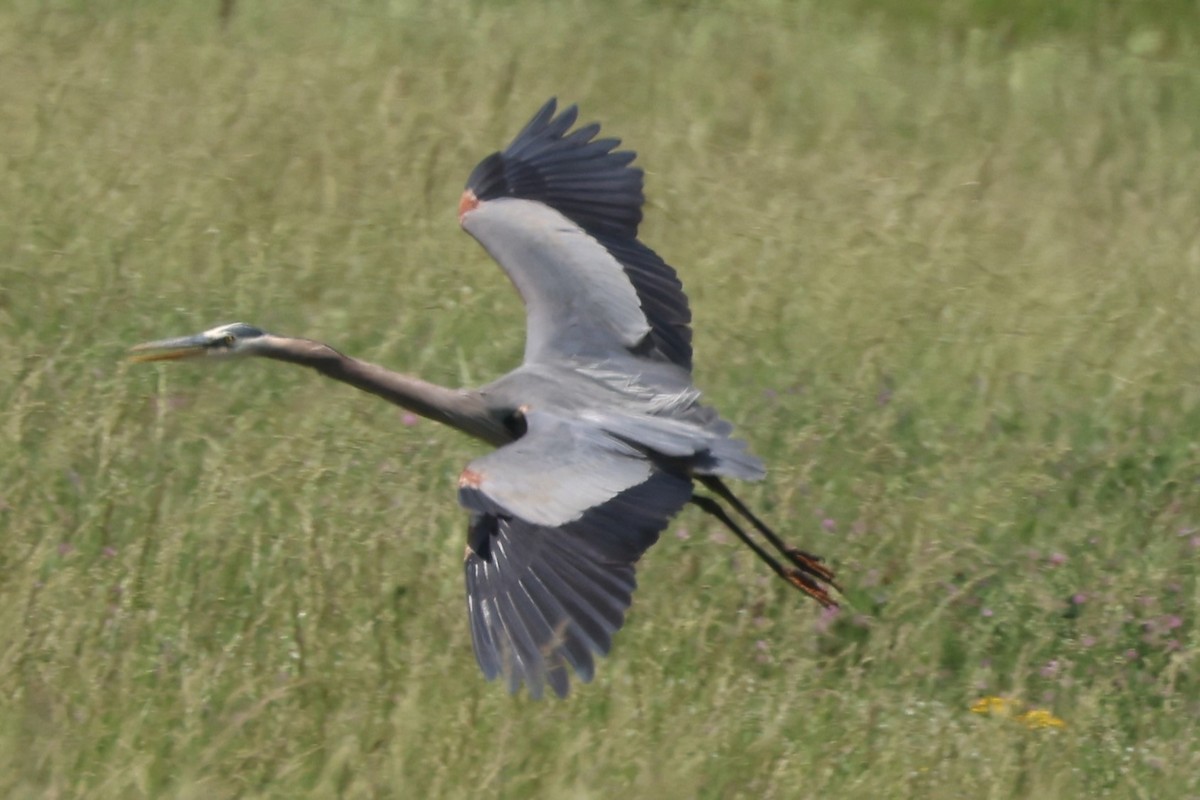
{"points": [[462, 409]]}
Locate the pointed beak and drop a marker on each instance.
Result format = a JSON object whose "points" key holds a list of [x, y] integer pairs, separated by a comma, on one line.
{"points": [[169, 349]]}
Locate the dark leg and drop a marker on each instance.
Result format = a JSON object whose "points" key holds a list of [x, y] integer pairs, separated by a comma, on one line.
{"points": [[806, 562], [800, 577]]}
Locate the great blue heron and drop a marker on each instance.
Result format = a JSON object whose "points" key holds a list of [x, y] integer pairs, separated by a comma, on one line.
{"points": [[600, 432]]}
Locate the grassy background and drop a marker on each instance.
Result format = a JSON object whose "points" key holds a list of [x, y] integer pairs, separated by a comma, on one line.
{"points": [[944, 261]]}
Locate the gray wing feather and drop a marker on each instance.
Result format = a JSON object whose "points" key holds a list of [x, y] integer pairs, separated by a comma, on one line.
{"points": [[554, 473], [706, 450], [594, 191], [578, 300], [544, 599]]}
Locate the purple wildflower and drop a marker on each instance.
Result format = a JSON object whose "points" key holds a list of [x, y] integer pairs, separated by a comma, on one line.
{"points": [[826, 618]]}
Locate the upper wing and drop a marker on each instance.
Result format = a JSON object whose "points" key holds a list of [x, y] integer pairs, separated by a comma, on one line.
{"points": [[560, 211], [560, 518]]}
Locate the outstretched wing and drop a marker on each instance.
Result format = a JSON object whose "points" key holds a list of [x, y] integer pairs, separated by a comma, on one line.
{"points": [[560, 518], [559, 212]]}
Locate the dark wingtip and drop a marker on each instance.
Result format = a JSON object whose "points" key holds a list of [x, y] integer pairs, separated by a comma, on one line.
{"points": [[551, 599], [582, 177], [487, 179]]}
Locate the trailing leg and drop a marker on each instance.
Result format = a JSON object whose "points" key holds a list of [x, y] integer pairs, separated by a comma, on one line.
{"points": [[800, 577], [806, 562]]}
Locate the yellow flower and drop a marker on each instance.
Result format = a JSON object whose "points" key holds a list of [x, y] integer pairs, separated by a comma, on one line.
{"points": [[1034, 718], [1037, 718], [998, 706]]}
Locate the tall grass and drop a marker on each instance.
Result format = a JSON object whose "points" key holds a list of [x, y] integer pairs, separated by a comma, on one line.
{"points": [[945, 280]]}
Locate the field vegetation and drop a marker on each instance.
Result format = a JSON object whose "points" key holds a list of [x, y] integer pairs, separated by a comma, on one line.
{"points": [[944, 262]]}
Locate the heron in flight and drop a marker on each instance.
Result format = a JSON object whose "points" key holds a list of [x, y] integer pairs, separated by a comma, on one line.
{"points": [[600, 435]]}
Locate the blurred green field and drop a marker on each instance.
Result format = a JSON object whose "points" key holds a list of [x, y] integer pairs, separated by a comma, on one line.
{"points": [[944, 261]]}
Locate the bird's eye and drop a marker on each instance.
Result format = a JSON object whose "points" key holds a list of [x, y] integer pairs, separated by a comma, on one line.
{"points": [[229, 340]]}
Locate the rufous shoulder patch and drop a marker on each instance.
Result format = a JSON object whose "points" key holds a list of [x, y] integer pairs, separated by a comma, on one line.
{"points": [[468, 202], [470, 479]]}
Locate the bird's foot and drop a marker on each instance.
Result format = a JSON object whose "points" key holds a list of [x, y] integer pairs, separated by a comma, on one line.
{"points": [[811, 564], [811, 588], [809, 574]]}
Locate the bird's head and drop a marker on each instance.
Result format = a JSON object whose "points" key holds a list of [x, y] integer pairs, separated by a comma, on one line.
{"points": [[224, 341]]}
